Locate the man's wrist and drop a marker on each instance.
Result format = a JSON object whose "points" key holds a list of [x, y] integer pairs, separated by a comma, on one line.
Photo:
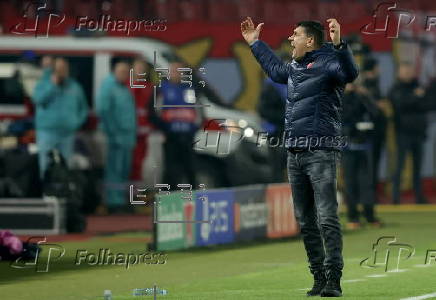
{"points": [[252, 42]]}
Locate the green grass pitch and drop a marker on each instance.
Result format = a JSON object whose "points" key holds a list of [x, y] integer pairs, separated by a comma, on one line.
{"points": [[263, 270]]}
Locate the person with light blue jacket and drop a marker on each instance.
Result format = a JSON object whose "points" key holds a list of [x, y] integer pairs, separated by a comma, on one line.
{"points": [[61, 108], [115, 107]]}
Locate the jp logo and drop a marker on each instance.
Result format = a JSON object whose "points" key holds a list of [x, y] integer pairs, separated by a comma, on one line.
{"points": [[387, 20], [388, 254], [45, 254], [388, 16], [35, 27]]}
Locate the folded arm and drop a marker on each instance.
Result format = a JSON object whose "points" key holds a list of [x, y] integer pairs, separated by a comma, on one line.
{"points": [[44, 92]]}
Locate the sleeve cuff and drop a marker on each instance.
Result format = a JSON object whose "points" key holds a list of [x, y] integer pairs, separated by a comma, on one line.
{"points": [[251, 44]]}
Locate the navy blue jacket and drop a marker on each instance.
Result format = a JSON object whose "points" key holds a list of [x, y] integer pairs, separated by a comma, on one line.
{"points": [[315, 86]]}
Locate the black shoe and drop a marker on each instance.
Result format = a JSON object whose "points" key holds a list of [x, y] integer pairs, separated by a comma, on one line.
{"points": [[319, 283], [333, 287]]}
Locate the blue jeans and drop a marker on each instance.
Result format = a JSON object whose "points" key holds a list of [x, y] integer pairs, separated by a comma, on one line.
{"points": [[47, 140], [312, 175]]}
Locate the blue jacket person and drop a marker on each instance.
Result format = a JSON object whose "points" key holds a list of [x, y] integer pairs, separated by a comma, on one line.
{"points": [[115, 107], [316, 78], [61, 108]]}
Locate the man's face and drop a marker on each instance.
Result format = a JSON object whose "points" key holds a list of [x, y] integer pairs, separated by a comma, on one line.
{"points": [[121, 72], [139, 67], [300, 43], [61, 68]]}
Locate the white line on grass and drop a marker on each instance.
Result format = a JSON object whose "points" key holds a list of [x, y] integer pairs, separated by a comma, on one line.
{"points": [[422, 266], [398, 271], [376, 275], [353, 280], [426, 296]]}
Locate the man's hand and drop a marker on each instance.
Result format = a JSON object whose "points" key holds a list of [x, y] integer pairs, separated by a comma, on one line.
{"points": [[248, 31], [385, 107], [335, 31]]}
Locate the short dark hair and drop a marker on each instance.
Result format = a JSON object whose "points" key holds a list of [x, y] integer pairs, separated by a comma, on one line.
{"points": [[315, 30]]}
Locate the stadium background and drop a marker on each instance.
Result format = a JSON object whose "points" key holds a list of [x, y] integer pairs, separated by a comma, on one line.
{"points": [[206, 34]]}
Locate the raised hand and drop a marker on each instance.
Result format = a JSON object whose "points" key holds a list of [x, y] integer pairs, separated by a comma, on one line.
{"points": [[334, 31], [248, 31]]}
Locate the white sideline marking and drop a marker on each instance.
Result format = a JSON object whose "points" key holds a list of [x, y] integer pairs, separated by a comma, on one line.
{"points": [[353, 280], [376, 275], [422, 266], [398, 271], [426, 296]]}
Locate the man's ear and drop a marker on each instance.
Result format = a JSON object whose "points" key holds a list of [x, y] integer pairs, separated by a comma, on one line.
{"points": [[310, 42]]}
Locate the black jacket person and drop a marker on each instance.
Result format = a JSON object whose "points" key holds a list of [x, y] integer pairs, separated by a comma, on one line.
{"points": [[316, 78], [410, 109]]}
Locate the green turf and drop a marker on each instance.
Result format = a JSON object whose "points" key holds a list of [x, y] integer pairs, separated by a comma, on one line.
{"points": [[268, 270]]}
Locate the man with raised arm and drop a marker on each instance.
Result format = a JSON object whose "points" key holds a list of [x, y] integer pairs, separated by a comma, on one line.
{"points": [[316, 78]]}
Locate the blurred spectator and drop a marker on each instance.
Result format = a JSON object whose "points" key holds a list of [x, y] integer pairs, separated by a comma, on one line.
{"points": [[272, 109], [359, 111], [179, 125], [13, 89], [370, 77], [116, 108], [61, 108], [142, 96], [408, 102], [430, 95], [47, 66]]}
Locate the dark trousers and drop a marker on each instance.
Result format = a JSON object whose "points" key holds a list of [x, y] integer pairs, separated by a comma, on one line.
{"points": [[359, 184], [405, 144], [378, 142], [139, 154], [179, 160], [312, 175]]}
